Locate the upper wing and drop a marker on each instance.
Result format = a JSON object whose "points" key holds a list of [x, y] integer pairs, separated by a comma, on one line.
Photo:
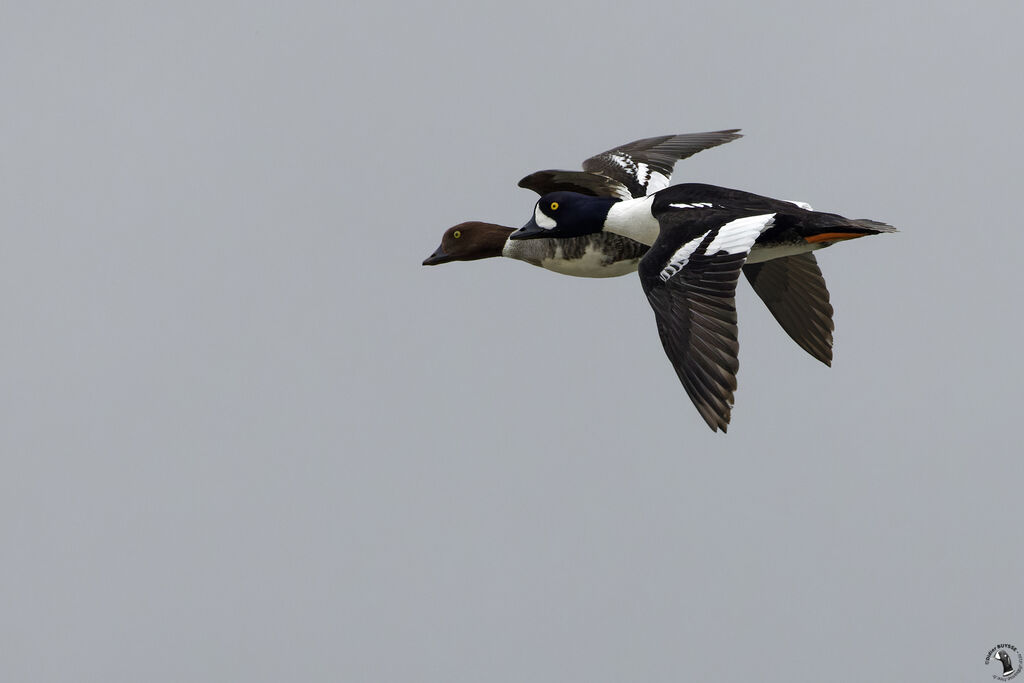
{"points": [[628, 171], [543, 182], [689, 276], [794, 291]]}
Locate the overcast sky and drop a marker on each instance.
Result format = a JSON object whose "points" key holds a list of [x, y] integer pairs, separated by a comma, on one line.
{"points": [[248, 437]]}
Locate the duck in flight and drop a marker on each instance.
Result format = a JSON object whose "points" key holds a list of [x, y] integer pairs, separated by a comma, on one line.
{"points": [[634, 169], [701, 237], [793, 289]]}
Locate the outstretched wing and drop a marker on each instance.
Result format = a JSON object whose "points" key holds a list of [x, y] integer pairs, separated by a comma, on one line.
{"points": [[689, 276], [794, 291], [628, 171], [543, 182]]}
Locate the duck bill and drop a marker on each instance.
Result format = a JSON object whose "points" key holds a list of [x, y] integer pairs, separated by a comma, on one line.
{"points": [[529, 231], [439, 256]]}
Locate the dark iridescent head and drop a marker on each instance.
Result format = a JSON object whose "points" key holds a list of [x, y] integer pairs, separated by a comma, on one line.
{"points": [[470, 241], [566, 214]]}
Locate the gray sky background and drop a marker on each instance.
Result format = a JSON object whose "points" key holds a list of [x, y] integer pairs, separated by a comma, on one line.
{"points": [[248, 437]]}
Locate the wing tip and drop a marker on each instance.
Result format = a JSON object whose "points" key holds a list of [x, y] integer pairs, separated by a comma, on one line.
{"points": [[527, 182], [718, 422]]}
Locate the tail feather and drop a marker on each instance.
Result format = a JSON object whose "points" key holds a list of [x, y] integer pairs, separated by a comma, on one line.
{"points": [[830, 227], [873, 226]]}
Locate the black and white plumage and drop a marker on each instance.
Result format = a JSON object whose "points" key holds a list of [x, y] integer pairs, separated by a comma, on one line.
{"points": [[627, 171], [632, 170], [702, 236], [692, 289]]}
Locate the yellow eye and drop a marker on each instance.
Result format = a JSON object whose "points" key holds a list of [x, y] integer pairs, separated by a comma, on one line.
{"points": [[554, 206], [457, 234]]}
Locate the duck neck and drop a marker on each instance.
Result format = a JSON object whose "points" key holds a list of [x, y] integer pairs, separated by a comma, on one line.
{"points": [[489, 240], [524, 250], [632, 218]]}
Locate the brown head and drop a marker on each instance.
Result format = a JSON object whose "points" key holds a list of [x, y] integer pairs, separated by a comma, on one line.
{"points": [[470, 241]]}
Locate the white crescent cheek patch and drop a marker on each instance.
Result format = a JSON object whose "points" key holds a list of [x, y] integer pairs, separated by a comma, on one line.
{"points": [[542, 219]]}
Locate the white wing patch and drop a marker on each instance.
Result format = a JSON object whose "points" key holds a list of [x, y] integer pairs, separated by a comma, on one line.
{"points": [[681, 258], [695, 205], [650, 180], [658, 181], [542, 219], [738, 236], [623, 160], [642, 173]]}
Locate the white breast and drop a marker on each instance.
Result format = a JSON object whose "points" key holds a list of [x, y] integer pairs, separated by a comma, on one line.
{"points": [[633, 218]]}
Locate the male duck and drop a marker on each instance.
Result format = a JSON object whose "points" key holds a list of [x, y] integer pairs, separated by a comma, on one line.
{"points": [[701, 236], [634, 169]]}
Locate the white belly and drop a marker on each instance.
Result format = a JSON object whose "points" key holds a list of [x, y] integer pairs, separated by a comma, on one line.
{"points": [[592, 264], [759, 254]]}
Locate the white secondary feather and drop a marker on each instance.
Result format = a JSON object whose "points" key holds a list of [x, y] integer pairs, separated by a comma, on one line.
{"points": [[643, 174], [649, 179], [542, 219], [681, 258], [738, 236], [624, 161], [695, 205]]}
